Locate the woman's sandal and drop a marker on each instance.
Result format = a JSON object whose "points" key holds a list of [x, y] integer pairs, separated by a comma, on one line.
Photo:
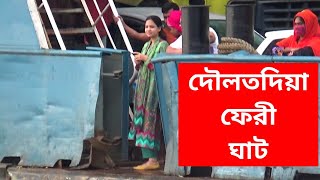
{"points": [[147, 166]]}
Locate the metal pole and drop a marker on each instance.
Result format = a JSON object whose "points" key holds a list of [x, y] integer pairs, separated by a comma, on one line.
{"points": [[195, 29], [86, 9], [104, 23], [237, 25], [197, 2], [102, 13], [36, 18], [53, 24], [122, 31]]}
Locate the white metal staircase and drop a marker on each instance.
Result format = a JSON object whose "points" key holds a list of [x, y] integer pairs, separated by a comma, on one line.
{"points": [[40, 6], [45, 33]]}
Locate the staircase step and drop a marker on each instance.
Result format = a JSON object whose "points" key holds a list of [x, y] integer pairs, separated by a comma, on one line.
{"points": [[72, 31], [64, 10]]}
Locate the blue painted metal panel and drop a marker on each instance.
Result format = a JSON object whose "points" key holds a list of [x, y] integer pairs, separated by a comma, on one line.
{"points": [[17, 30], [167, 81], [115, 92], [47, 106], [168, 87]]}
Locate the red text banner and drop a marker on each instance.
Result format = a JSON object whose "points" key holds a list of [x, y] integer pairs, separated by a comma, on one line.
{"points": [[248, 114]]}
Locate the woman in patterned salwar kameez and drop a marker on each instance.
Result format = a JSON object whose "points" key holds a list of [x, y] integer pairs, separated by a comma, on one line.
{"points": [[145, 128]]}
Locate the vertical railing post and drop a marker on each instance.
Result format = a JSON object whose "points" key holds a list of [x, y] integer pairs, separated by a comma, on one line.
{"points": [[122, 31], [104, 23], [53, 24], [86, 9]]}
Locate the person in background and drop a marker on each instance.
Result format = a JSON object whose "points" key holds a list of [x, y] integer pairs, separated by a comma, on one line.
{"points": [[166, 10], [145, 128], [213, 41], [174, 21], [305, 41]]}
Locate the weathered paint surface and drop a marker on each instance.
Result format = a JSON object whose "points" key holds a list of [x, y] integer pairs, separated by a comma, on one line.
{"points": [[17, 30], [167, 79], [123, 173], [167, 82], [47, 107], [248, 173]]}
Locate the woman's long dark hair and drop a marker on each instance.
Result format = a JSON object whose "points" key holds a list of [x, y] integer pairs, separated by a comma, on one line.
{"points": [[158, 22]]}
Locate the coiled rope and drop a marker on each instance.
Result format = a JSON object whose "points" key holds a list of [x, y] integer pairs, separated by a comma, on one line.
{"points": [[229, 45]]}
